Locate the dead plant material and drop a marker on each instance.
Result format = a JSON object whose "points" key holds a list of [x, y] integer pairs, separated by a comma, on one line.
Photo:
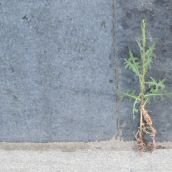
{"points": [[146, 129]]}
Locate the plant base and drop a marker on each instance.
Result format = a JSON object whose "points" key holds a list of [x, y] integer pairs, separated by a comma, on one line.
{"points": [[146, 129]]}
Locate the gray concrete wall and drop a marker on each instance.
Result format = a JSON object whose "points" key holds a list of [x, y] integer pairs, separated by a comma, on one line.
{"points": [[61, 64], [158, 14], [56, 77]]}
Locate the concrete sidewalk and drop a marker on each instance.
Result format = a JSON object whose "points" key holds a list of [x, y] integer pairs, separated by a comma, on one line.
{"points": [[85, 160], [82, 157]]}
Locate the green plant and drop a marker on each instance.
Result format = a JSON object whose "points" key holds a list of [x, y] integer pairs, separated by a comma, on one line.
{"points": [[148, 86]]}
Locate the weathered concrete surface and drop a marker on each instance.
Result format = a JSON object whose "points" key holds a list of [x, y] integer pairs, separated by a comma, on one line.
{"points": [[158, 14], [61, 63], [56, 76], [85, 161], [113, 145], [102, 156]]}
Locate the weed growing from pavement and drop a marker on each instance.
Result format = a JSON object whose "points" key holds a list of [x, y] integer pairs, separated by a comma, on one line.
{"points": [[149, 89]]}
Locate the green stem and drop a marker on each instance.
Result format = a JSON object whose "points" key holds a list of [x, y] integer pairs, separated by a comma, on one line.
{"points": [[132, 96], [142, 80]]}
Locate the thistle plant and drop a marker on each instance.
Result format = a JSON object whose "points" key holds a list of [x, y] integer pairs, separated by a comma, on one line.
{"points": [[149, 88]]}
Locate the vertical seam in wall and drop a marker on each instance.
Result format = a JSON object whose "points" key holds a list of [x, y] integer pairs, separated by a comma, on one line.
{"points": [[116, 64]]}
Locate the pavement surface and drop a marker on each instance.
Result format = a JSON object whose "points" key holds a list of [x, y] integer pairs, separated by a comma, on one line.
{"points": [[85, 160], [106, 156]]}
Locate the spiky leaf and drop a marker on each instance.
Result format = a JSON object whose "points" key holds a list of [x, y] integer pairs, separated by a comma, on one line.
{"points": [[133, 64]]}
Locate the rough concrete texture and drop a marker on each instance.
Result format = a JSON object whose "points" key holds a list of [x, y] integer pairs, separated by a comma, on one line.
{"points": [[57, 68], [102, 156], [110, 145], [57, 82], [158, 14], [85, 161]]}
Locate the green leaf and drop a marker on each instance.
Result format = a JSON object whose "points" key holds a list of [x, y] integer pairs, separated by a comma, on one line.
{"points": [[144, 34], [135, 110], [132, 64], [140, 45], [131, 95], [168, 94], [149, 56], [156, 86]]}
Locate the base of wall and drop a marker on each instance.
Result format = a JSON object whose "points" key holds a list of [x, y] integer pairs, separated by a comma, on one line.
{"points": [[113, 144]]}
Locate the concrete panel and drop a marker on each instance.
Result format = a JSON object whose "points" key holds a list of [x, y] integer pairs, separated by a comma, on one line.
{"points": [[56, 70], [61, 61], [158, 14]]}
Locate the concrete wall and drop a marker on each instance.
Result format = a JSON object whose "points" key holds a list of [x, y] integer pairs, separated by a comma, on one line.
{"points": [[61, 64], [158, 14], [57, 82]]}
